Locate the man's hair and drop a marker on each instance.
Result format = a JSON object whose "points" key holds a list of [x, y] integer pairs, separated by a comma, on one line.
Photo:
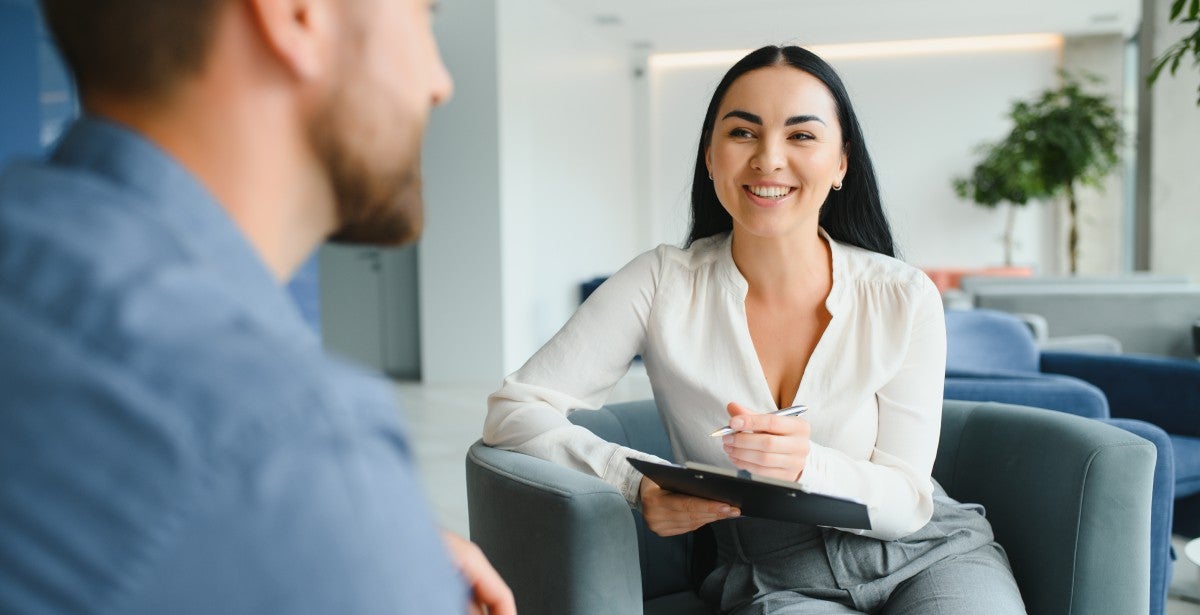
{"points": [[132, 47]]}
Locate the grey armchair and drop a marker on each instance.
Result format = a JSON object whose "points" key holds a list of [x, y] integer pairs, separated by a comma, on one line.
{"points": [[1068, 498]]}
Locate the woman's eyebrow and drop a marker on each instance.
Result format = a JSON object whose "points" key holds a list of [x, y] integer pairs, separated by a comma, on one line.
{"points": [[800, 119], [745, 115], [754, 119]]}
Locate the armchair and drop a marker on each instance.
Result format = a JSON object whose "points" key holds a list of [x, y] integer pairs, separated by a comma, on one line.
{"points": [[991, 351], [1158, 390], [992, 356], [567, 543]]}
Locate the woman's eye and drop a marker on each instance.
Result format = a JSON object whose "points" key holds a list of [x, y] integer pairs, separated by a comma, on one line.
{"points": [[802, 136], [740, 133]]}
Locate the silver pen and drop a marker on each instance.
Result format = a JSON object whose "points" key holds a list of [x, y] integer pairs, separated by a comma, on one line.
{"points": [[789, 411]]}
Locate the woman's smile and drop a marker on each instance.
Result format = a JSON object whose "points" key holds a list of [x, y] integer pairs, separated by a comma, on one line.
{"points": [[767, 195]]}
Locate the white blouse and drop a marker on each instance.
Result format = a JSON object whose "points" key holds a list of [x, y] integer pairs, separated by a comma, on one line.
{"points": [[873, 384]]}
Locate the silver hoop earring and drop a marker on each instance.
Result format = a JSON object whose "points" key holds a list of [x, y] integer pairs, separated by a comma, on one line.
{"points": [[837, 187], [710, 175]]}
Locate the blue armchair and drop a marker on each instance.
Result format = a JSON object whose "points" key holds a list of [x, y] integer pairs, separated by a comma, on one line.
{"points": [[992, 356], [1159, 390]]}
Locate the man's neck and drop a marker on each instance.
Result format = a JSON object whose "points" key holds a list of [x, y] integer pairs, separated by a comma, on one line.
{"points": [[253, 161]]}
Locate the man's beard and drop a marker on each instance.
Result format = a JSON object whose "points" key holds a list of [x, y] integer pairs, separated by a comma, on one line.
{"points": [[377, 204]]}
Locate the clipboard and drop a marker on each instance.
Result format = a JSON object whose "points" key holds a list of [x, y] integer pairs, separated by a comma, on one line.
{"points": [[757, 496]]}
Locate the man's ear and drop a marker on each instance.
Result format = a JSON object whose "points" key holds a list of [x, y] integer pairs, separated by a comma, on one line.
{"points": [[297, 31]]}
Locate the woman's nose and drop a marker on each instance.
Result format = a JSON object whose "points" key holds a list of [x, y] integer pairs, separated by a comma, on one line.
{"points": [[767, 157]]}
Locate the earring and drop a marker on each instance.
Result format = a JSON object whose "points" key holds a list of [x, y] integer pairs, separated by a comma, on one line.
{"points": [[837, 187], [710, 175]]}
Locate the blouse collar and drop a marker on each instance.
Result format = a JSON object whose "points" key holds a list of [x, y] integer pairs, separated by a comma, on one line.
{"points": [[733, 279]]}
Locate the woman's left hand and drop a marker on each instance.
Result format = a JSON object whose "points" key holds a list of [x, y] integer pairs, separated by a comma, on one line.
{"points": [[778, 446]]}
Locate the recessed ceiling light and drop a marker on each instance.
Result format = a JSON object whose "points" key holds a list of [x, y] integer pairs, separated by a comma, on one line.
{"points": [[884, 49]]}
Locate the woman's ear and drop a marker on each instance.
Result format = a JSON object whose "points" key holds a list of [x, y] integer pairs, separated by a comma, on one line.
{"points": [[845, 164], [708, 161]]}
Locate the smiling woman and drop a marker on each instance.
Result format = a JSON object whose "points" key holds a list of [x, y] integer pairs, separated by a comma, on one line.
{"points": [[773, 167], [786, 293], [808, 99]]}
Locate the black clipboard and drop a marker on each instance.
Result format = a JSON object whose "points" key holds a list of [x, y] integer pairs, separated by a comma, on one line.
{"points": [[757, 496]]}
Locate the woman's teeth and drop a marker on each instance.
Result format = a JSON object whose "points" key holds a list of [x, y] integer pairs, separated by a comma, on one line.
{"points": [[769, 192]]}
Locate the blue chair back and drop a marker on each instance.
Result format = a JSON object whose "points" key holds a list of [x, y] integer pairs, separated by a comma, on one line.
{"points": [[989, 341]]}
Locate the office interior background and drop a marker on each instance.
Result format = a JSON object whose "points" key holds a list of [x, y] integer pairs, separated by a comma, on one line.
{"points": [[568, 146], [567, 150]]}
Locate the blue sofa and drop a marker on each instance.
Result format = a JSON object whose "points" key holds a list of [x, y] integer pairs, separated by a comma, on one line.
{"points": [[992, 356]]}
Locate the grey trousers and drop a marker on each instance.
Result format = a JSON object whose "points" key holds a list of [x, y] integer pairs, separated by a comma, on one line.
{"points": [[951, 566]]}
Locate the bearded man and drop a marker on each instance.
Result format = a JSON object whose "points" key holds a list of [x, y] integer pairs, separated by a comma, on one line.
{"points": [[172, 438]]}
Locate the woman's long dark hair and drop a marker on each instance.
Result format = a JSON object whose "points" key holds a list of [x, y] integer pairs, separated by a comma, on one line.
{"points": [[852, 215]]}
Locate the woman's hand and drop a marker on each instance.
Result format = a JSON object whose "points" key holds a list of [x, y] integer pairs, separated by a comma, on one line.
{"points": [[668, 513], [778, 446]]}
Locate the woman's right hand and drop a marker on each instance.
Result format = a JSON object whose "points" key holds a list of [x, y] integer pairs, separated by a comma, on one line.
{"points": [[669, 514]]}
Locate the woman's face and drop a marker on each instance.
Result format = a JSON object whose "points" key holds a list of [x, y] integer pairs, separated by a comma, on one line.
{"points": [[776, 151]]}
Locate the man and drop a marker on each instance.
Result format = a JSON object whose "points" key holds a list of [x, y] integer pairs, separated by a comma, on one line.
{"points": [[172, 439]]}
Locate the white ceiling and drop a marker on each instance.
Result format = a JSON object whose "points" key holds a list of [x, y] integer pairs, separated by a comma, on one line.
{"points": [[696, 25]]}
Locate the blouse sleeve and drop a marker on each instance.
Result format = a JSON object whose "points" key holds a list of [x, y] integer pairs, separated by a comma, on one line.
{"points": [[895, 482], [577, 369]]}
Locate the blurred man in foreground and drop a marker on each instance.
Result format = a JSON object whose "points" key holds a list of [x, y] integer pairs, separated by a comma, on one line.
{"points": [[172, 438]]}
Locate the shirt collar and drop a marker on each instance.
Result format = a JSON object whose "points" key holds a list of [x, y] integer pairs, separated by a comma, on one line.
{"points": [[737, 282], [193, 216]]}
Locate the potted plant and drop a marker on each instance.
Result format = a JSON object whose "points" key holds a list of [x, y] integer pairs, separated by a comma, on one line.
{"points": [[1062, 139], [998, 179]]}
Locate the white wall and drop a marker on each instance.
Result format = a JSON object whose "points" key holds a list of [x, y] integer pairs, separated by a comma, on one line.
{"points": [[529, 183], [568, 209], [922, 116], [1103, 212], [459, 264], [1175, 171], [925, 116], [678, 99]]}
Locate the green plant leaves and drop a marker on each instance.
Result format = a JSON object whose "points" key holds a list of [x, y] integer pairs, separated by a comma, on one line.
{"points": [[1062, 137], [1189, 43], [1193, 9]]}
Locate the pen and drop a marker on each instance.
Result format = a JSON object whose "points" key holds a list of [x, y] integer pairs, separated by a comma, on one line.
{"points": [[789, 411]]}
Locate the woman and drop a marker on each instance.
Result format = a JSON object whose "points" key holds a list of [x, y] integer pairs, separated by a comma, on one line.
{"points": [[787, 292]]}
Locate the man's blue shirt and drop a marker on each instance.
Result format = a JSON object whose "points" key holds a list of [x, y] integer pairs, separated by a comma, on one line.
{"points": [[172, 438]]}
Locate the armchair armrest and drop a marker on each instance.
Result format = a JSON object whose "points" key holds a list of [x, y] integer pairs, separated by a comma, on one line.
{"points": [[1069, 499], [1159, 390], [542, 525], [1052, 392]]}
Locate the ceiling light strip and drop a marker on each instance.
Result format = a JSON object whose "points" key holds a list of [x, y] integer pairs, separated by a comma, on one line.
{"points": [[889, 49]]}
